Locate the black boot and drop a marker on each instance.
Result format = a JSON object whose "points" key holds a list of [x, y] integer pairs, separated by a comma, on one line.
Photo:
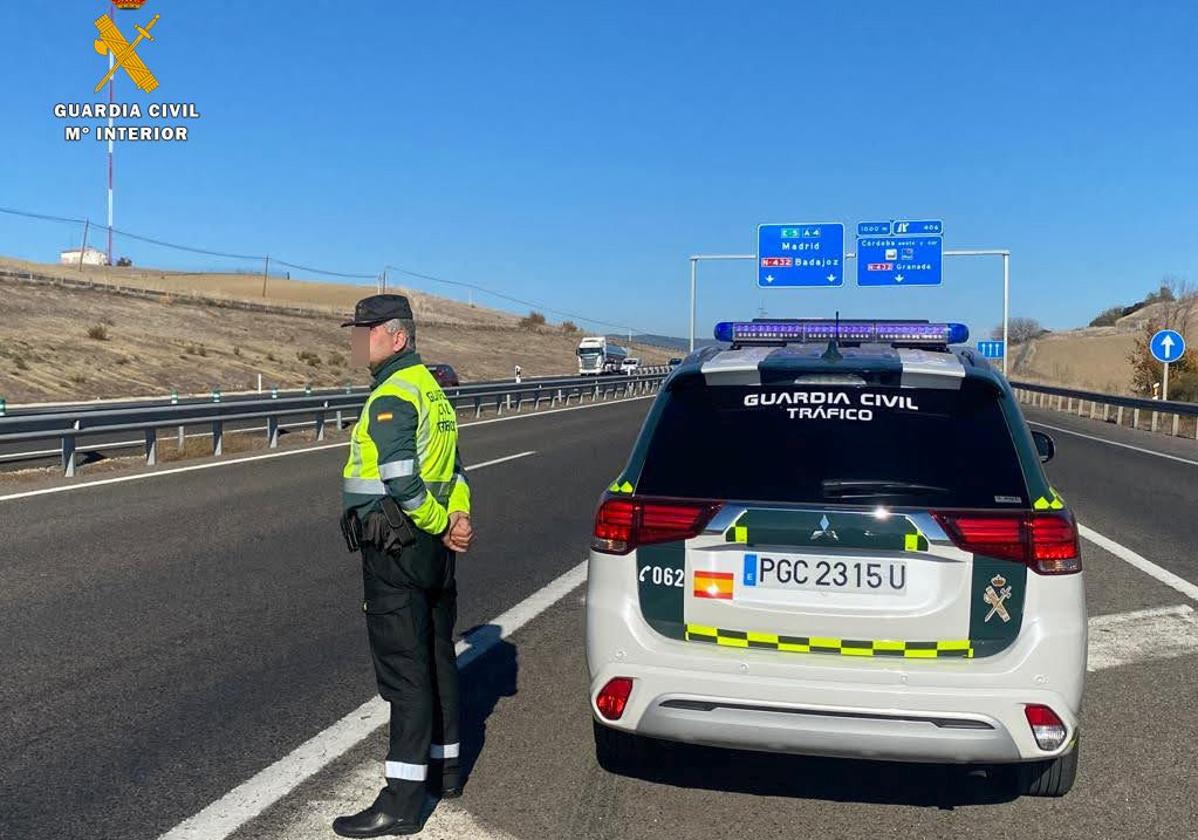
{"points": [[382, 819], [446, 779]]}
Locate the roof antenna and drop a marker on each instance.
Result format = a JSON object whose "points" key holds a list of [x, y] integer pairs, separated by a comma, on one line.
{"points": [[832, 354]]}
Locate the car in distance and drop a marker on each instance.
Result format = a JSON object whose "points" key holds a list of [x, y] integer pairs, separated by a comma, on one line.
{"points": [[445, 375], [630, 365]]}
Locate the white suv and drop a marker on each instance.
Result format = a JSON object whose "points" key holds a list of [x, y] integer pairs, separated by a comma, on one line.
{"points": [[843, 548], [630, 366]]}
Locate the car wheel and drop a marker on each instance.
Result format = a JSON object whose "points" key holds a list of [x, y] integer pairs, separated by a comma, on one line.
{"points": [[618, 751], [1053, 777]]}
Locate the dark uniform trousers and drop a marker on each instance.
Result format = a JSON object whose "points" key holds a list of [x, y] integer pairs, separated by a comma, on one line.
{"points": [[411, 605]]}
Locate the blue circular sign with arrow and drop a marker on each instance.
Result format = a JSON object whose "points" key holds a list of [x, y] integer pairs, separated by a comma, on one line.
{"points": [[1167, 346]]}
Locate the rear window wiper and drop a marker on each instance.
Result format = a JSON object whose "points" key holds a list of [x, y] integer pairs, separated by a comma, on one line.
{"points": [[848, 487]]}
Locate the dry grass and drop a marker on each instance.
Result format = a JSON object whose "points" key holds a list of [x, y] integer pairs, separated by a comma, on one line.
{"points": [[152, 347]]}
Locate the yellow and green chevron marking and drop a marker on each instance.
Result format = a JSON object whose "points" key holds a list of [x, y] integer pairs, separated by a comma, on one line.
{"points": [[618, 486], [1045, 503], [959, 648]]}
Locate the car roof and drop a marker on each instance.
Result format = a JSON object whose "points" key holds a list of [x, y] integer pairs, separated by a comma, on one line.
{"points": [[882, 364]]}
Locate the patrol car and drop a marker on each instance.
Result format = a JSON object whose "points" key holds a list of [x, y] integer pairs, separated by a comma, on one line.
{"points": [[837, 539]]}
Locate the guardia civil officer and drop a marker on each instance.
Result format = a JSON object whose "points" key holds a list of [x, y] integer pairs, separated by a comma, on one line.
{"points": [[407, 509]]}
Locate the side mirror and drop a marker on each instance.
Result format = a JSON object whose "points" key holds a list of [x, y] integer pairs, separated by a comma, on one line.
{"points": [[1044, 446]]}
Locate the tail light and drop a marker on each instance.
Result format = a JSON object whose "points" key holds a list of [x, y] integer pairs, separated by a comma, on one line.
{"points": [[624, 522], [1046, 542], [1048, 729], [613, 697]]}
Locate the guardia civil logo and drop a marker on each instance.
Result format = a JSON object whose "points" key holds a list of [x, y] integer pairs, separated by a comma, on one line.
{"points": [[127, 39]]}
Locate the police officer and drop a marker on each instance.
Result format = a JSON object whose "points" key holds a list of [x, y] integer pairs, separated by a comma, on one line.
{"points": [[407, 509]]}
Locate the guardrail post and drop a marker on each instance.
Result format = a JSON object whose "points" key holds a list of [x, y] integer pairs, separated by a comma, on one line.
{"points": [[478, 407], [339, 423], [3, 407], [218, 437], [1106, 412], [1135, 418], [1081, 406], [1154, 416], [151, 447], [272, 432], [320, 425], [68, 454], [499, 403], [1176, 423]]}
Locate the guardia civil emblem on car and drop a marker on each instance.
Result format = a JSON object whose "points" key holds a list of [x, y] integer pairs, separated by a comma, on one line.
{"points": [[996, 596]]}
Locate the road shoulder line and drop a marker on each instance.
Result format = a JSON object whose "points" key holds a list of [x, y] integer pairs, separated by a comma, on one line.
{"points": [[63, 488], [1114, 443], [268, 786], [1140, 562]]}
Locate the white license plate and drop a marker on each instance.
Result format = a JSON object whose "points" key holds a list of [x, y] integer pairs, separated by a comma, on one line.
{"points": [[825, 574]]}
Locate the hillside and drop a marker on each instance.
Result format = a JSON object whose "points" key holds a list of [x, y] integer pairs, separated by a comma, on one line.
{"points": [[199, 336], [1090, 358]]}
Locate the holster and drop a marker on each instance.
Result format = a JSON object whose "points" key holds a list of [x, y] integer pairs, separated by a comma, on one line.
{"points": [[351, 530], [387, 529]]}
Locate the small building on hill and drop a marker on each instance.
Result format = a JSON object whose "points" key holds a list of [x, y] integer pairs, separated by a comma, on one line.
{"points": [[86, 256]]}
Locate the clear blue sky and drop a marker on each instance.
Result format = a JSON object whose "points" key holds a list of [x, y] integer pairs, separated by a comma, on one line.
{"points": [[578, 154]]}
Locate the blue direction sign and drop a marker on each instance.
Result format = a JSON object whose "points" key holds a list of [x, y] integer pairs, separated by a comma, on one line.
{"points": [[1167, 346], [800, 255], [899, 260], [990, 349], [924, 227]]}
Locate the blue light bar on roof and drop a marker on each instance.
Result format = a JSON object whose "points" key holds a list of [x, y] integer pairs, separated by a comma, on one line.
{"points": [[849, 332]]}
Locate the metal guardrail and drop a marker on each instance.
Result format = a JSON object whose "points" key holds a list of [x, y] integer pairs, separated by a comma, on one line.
{"points": [[70, 426], [1063, 399]]}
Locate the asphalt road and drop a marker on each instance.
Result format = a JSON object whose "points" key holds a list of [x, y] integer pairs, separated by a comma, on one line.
{"points": [[163, 637], [168, 638]]}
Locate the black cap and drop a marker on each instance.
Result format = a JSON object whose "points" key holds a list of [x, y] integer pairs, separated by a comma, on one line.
{"points": [[378, 309]]}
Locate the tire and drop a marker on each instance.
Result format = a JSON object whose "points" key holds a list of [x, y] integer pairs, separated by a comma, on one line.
{"points": [[618, 751], [1054, 777]]}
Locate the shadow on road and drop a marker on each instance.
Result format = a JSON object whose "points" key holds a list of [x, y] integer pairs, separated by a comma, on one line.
{"points": [[484, 681], [834, 780]]}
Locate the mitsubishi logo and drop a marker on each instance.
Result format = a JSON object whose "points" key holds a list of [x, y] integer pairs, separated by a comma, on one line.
{"points": [[824, 530]]}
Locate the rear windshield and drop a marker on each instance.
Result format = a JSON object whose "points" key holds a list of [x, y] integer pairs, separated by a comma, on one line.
{"points": [[835, 445]]}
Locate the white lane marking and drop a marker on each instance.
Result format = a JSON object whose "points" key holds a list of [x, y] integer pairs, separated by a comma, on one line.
{"points": [[1115, 443], [214, 464], [349, 794], [504, 459], [252, 797], [1140, 562], [1142, 636]]}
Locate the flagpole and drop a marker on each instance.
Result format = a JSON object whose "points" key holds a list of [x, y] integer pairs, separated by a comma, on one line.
{"points": [[111, 98]]}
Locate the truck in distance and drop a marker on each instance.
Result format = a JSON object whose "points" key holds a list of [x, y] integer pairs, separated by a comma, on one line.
{"points": [[597, 355]]}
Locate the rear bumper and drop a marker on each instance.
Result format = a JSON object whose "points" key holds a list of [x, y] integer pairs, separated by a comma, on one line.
{"points": [[951, 711]]}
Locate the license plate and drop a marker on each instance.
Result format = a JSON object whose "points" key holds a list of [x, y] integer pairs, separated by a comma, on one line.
{"points": [[825, 574]]}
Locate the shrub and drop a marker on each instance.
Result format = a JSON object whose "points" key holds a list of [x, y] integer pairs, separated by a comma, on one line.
{"points": [[21, 363], [569, 327], [236, 350], [308, 356], [1146, 371], [123, 360], [99, 332], [270, 357], [533, 319], [336, 359], [1108, 317], [77, 378]]}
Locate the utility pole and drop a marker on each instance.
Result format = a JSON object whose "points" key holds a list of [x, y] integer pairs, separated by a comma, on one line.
{"points": [[83, 248], [265, 273]]}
